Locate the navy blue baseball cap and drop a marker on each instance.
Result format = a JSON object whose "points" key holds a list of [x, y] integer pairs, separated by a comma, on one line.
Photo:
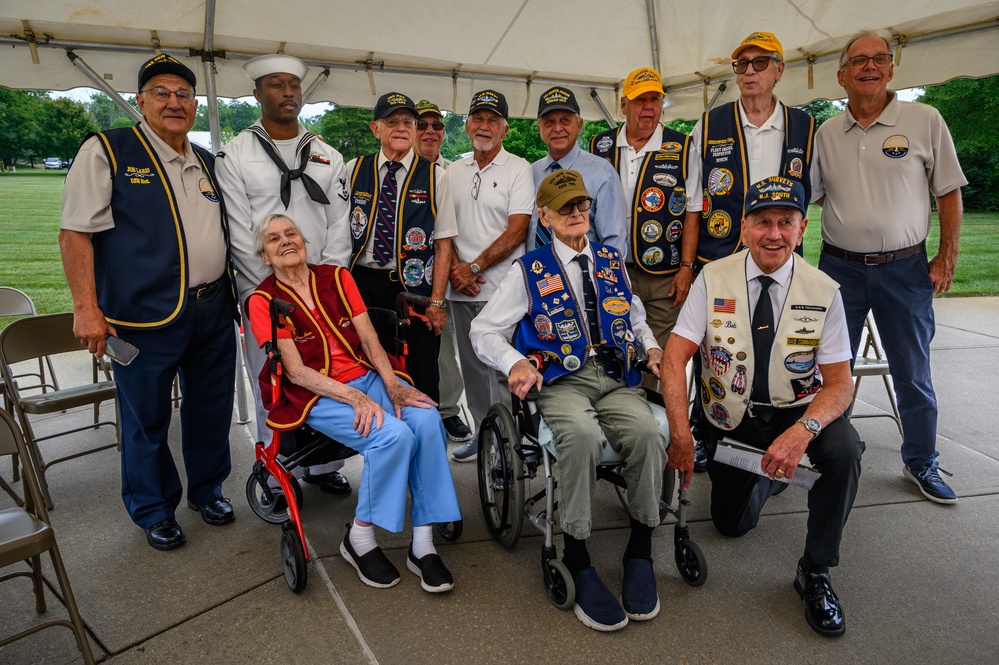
{"points": [[165, 64], [776, 192], [391, 102]]}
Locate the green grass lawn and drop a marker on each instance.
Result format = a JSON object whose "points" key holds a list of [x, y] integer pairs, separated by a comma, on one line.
{"points": [[31, 203]]}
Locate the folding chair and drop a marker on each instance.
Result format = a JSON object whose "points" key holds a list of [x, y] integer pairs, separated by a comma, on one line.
{"points": [[872, 361], [25, 533], [50, 335]]}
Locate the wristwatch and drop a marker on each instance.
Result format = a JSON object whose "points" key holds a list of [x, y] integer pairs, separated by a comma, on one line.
{"points": [[474, 267], [812, 425], [440, 304], [692, 265]]}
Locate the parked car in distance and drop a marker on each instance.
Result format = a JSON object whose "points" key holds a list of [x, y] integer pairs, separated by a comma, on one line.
{"points": [[53, 163]]}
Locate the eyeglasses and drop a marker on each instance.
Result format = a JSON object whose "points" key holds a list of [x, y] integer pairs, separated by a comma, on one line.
{"points": [[393, 122], [858, 61], [581, 206], [163, 94], [423, 124], [476, 181], [759, 64]]}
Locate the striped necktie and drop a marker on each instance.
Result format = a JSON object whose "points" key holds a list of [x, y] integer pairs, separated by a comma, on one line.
{"points": [[384, 244]]}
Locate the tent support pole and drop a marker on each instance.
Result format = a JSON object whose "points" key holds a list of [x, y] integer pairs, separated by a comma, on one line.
{"points": [[104, 87], [603, 109], [320, 79], [650, 7]]}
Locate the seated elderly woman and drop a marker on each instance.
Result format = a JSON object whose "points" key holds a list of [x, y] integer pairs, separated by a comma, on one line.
{"points": [[339, 380], [587, 336]]}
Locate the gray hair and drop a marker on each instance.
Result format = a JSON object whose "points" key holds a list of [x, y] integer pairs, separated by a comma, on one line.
{"points": [[260, 229], [870, 33]]}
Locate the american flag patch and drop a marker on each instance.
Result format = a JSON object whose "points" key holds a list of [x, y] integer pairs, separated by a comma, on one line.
{"points": [[725, 305], [550, 285]]}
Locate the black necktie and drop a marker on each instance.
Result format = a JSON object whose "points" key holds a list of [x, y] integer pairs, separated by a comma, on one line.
{"points": [[543, 236], [607, 358], [763, 340], [313, 189], [384, 243]]}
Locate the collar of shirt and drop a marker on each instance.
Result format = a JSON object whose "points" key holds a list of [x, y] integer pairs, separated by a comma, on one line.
{"points": [[566, 162], [301, 128], [888, 116], [499, 160], [652, 145], [165, 151], [566, 254], [775, 121], [777, 296], [406, 161]]}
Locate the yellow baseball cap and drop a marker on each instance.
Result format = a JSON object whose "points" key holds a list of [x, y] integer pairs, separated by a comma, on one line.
{"points": [[765, 40], [641, 81]]}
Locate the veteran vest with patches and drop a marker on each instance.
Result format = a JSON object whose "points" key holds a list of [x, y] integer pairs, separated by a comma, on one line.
{"points": [[140, 266], [415, 215], [554, 325], [725, 173], [659, 201], [293, 406], [727, 349]]}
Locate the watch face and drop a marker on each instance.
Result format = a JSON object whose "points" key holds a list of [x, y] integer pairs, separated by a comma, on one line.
{"points": [[474, 267]]}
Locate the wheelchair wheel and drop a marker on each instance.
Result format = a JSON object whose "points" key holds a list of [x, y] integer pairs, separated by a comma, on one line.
{"points": [[296, 574], [501, 476], [449, 531], [269, 504], [690, 562], [665, 498], [559, 587]]}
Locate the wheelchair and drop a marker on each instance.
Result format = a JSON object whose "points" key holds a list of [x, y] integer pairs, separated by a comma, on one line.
{"points": [[273, 492], [516, 448]]}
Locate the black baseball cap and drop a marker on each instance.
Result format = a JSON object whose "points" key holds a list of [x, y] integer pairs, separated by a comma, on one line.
{"points": [[165, 64], [557, 98], [776, 192], [490, 100], [391, 102]]}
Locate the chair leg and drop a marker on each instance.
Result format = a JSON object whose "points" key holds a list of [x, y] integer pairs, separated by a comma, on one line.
{"points": [[35, 457], [36, 581], [890, 389], [74, 613], [15, 468]]}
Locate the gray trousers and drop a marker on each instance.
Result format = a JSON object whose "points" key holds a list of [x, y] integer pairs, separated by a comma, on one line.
{"points": [[451, 384], [586, 410], [483, 385]]}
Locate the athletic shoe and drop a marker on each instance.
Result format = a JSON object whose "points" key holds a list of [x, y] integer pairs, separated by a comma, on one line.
{"points": [[434, 576], [596, 607], [638, 592], [931, 484], [466, 453], [373, 568], [456, 429]]}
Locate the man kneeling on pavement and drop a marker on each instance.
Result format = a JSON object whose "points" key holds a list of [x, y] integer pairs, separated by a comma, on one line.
{"points": [[775, 354], [587, 390]]}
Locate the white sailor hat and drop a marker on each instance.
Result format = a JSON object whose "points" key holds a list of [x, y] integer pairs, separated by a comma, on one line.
{"points": [[276, 63]]}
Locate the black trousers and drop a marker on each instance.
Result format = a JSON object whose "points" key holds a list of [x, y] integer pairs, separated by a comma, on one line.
{"points": [[738, 496], [379, 288]]}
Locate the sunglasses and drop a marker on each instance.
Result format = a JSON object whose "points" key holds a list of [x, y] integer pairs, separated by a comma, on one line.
{"points": [[759, 64], [423, 124]]}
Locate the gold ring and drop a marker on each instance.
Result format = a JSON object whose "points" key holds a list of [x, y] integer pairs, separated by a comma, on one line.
{"points": [[780, 472]]}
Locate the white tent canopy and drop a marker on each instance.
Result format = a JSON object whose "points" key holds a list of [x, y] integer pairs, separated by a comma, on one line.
{"points": [[445, 50]]}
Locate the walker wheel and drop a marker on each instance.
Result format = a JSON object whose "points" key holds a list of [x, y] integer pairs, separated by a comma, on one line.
{"points": [[270, 504], [690, 562], [293, 560]]}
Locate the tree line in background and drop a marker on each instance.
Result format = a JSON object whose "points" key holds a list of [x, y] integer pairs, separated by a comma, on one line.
{"points": [[34, 126]]}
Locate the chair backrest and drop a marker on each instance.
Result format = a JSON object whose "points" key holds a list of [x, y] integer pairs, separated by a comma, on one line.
{"points": [[15, 303], [37, 336], [12, 442]]}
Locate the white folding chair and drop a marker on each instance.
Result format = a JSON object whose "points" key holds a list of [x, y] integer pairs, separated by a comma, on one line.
{"points": [[872, 361]]}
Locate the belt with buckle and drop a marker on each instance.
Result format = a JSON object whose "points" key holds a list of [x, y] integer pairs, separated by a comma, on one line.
{"points": [[874, 258], [384, 273], [205, 290]]}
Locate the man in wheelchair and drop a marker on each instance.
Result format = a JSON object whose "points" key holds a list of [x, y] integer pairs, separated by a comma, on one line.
{"points": [[778, 381], [585, 333], [339, 381]]}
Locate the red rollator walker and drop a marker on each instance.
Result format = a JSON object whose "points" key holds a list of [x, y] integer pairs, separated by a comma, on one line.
{"points": [[272, 490]]}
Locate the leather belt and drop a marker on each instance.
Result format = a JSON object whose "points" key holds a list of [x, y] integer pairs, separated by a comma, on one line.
{"points": [[384, 274], [875, 258], [205, 290]]}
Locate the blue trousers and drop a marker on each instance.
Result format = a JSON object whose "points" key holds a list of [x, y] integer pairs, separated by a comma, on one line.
{"points": [[200, 346], [901, 296], [403, 454]]}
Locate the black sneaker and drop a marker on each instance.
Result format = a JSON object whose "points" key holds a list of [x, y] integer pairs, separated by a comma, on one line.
{"points": [[434, 576], [456, 429], [373, 568]]}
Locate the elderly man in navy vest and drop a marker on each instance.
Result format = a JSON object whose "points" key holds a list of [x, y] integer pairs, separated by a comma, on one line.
{"points": [[775, 374], [401, 225], [570, 303], [144, 242]]}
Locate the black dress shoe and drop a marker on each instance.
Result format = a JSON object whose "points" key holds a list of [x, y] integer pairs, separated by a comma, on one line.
{"points": [[331, 483], [216, 512], [822, 608], [700, 457], [165, 535]]}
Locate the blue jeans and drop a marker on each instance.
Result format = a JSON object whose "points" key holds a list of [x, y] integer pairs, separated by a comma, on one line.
{"points": [[403, 454], [901, 296]]}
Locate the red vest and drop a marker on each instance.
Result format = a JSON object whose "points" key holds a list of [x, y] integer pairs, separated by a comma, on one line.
{"points": [[293, 406]]}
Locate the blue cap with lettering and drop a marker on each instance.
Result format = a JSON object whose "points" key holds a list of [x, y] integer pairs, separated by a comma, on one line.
{"points": [[776, 192]]}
